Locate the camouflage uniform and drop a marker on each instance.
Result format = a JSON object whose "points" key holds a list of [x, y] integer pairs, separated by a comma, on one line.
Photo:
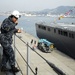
{"points": [[7, 31]]}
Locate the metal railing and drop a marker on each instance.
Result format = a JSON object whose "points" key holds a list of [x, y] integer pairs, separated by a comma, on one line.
{"points": [[56, 69], [26, 61]]}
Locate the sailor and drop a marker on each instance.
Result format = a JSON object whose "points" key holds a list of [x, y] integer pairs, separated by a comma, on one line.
{"points": [[7, 30]]}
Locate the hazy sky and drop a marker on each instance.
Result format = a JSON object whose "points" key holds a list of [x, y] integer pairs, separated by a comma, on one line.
{"points": [[33, 5]]}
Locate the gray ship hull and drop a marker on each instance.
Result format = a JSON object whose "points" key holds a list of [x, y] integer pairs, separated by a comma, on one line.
{"points": [[63, 39]]}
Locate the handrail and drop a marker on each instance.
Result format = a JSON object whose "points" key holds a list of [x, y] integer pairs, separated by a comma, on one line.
{"points": [[35, 73], [25, 61], [56, 69]]}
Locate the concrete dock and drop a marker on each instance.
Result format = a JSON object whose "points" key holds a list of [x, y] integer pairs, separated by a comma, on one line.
{"points": [[60, 60]]}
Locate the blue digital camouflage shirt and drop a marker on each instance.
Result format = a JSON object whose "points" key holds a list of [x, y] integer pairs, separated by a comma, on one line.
{"points": [[8, 28]]}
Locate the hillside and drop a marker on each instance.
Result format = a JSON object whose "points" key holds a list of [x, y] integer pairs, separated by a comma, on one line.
{"points": [[59, 10]]}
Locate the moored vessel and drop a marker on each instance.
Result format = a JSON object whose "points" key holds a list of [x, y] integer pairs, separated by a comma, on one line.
{"points": [[62, 35]]}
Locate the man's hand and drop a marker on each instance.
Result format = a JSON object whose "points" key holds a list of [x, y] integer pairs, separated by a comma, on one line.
{"points": [[19, 31]]}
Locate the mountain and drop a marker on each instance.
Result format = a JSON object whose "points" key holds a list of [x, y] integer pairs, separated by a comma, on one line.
{"points": [[59, 10], [56, 11]]}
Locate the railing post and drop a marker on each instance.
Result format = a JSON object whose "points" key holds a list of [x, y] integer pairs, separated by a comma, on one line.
{"points": [[14, 46], [28, 57], [14, 43]]}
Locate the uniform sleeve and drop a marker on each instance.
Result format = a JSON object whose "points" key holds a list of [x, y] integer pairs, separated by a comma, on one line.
{"points": [[15, 30], [8, 26]]}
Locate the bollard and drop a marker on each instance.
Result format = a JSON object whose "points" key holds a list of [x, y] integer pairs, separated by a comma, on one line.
{"points": [[36, 69]]}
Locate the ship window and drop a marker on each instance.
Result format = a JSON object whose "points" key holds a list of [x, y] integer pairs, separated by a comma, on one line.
{"points": [[54, 30], [71, 35], [65, 33], [43, 27], [59, 31], [39, 26], [49, 29]]}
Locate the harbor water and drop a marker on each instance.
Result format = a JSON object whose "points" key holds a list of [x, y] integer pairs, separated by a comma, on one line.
{"points": [[28, 23], [55, 57]]}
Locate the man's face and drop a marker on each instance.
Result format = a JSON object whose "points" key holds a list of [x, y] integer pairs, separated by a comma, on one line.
{"points": [[15, 20]]}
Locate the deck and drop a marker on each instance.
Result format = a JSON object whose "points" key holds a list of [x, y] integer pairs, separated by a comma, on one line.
{"points": [[60, 60]]}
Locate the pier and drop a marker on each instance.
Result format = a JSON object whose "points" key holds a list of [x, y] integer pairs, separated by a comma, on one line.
{"points": [[35, 62]]}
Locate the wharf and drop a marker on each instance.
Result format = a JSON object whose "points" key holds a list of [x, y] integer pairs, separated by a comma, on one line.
{"points": [[62, 61]]}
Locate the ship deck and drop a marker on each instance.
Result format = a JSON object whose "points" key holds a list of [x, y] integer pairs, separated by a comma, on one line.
{"points": [[60, 60]]}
